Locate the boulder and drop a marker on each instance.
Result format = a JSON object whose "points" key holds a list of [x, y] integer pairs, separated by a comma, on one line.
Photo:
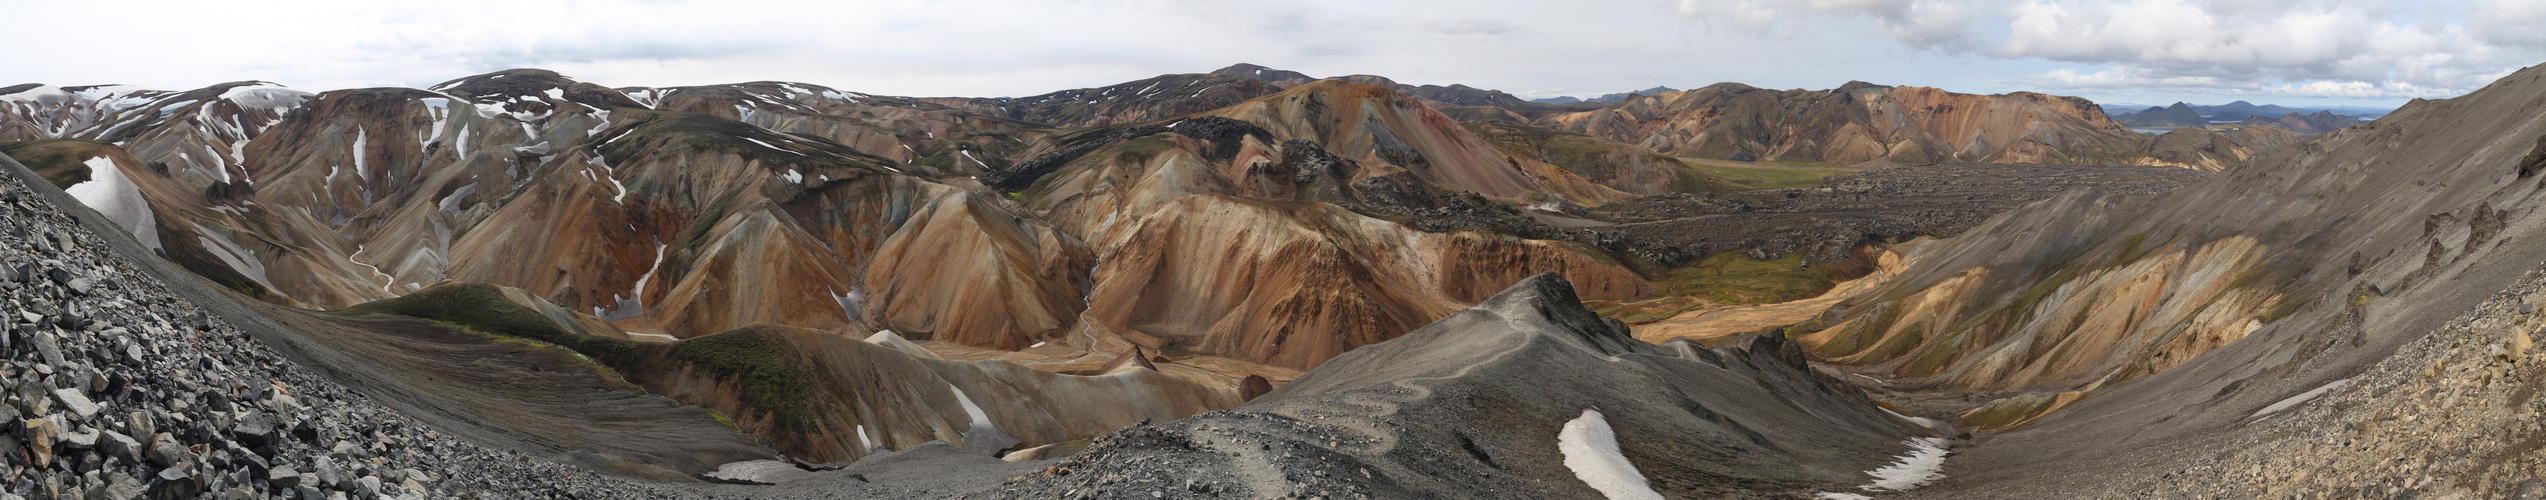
{"points": [[122, 447], [173, 483], [40, 435], [283, 478], [77, 402]]}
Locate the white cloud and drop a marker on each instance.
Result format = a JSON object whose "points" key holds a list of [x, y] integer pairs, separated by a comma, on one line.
{"points": [[1015, 47], [2349, 49]]}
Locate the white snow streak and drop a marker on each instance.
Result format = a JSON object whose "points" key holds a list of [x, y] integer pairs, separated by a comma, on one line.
{"points": [[2303, 397], [360, 139], [1591, 450]]}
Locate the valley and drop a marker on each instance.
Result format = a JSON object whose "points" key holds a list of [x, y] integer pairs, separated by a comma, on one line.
{"points": [[1258, 283]]}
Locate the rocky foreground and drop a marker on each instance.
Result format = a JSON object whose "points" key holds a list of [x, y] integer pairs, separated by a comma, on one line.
{"points": [[119, 387], [2452, 415]]}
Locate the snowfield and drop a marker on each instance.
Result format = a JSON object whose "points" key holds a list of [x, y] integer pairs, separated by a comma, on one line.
{"points": [[1591, 450], [116, 197]]}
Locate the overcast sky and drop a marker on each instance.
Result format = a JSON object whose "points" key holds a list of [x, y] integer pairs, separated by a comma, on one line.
{"points": [[2377, 52]]}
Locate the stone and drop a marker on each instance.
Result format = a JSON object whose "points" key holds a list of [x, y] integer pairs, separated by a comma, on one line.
{"points": [[173, 483], [283, 478], [40, 435], [120, 487], [78, 403], [82, 286], [166, 452], [121, 447], [329, 476], [368, 487], [255, 430], [82, 440], [49, 348]]}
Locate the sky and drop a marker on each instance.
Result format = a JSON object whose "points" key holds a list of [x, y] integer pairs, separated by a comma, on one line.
{"points": [[2318, 53]]}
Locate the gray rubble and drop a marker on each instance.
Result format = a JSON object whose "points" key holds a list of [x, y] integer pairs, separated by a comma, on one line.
{"points": [[116, 388]]}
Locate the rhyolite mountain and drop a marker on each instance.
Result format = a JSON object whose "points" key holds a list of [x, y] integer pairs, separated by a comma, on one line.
{"points": [[1853, 123]]}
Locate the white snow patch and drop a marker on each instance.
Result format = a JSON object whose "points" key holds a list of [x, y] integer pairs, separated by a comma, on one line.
{"points": [[489, 110], [760, 471], [980, 420], [634, 305], [863, 443], [361, 138], [1037, 344], [1925, 463], [1841, 496], [2303, 397], [794, 176], [117, 198], [452, 203], [265, 96], [767, 145], [1591, 450], [666, 338], [1922, 422], [849, 302]]}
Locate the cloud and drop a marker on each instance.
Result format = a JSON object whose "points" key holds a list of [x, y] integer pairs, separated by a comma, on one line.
{"points": [[2351, 49]]}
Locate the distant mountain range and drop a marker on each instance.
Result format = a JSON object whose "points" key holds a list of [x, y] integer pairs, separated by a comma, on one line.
{"points": [[1621, 96], [2302, 121]]}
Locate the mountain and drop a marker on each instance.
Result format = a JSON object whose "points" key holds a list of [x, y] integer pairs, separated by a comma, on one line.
{"points": [[1859, 122], [1158, 98], [648, 227], [1279, 78], [1453, 94], [2178, 115], [2321, 122], [2198, 307], [1621, 96]]}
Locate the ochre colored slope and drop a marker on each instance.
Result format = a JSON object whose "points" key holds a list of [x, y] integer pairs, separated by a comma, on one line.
{"points": [[1293, 283]]}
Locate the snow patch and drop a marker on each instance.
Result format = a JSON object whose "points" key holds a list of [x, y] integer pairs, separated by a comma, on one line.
{"points": [[452, 203], [980, 420], [2303, 397], [666, 338], [760, 471], [1925, 463], [634, 304], [239, 259], [767, 145], [265, 96], [117, 198], [1591, 450], [361, 138], [794, 176], [850, 303]]}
